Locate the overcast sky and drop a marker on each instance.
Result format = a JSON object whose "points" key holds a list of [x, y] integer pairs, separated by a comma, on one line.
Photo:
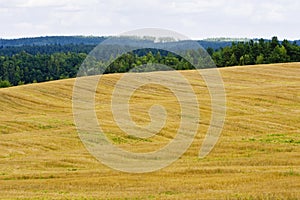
{"points": [[196, 19]]}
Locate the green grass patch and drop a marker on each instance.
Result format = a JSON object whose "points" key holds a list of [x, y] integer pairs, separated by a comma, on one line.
{"points": [[276, 138], [127, 139], [291, 172]]}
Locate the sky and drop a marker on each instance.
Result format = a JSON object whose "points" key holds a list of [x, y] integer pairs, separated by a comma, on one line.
{"points": [[196, 19]]}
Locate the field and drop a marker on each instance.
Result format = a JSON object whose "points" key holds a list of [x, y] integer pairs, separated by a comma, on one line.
{"points": [[256, 157]]}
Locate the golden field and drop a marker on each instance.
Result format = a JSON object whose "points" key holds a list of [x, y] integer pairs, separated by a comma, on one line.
{"points": [[256, 157]]}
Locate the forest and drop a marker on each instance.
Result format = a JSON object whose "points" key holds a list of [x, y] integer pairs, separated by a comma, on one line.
{"points": [[38, 63], [260, 52]]}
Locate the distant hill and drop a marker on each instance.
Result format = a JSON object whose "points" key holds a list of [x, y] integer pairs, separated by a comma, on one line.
{"points": [[92, 40], [81, 44], [73, 41], [51, 40]]}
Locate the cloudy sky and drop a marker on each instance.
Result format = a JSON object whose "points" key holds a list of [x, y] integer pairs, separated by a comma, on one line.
{"points": [[196, 19]]}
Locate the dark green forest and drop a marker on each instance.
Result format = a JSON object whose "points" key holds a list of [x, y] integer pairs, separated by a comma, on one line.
{"points": [[260, 52], [38, 63]]}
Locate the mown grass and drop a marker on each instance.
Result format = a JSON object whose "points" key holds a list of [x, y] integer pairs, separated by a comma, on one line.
{"points": [[257, 156]]}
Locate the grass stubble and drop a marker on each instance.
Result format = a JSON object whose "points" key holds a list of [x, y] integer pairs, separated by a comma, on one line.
{"points": [[257, 156]]}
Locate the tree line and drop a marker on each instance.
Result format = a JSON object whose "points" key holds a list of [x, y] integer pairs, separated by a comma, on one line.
{"points": [[63, 61], [24, 68], [256, 52]]}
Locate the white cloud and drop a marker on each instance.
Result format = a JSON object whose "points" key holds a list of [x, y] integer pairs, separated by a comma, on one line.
{"points": [[37, 3], [194, 18]]}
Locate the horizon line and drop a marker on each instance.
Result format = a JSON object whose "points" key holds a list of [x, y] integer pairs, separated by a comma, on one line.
{"points": [[207, 38]]}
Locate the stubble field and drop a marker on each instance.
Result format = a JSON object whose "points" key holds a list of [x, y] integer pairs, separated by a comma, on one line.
{"points": [[256, 157]]}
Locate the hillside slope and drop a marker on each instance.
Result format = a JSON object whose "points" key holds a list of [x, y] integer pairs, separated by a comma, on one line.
{"points": [[257, 156]]}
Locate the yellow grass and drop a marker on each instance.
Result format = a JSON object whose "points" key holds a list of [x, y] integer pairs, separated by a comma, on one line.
{"points": [[257, 156]]}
